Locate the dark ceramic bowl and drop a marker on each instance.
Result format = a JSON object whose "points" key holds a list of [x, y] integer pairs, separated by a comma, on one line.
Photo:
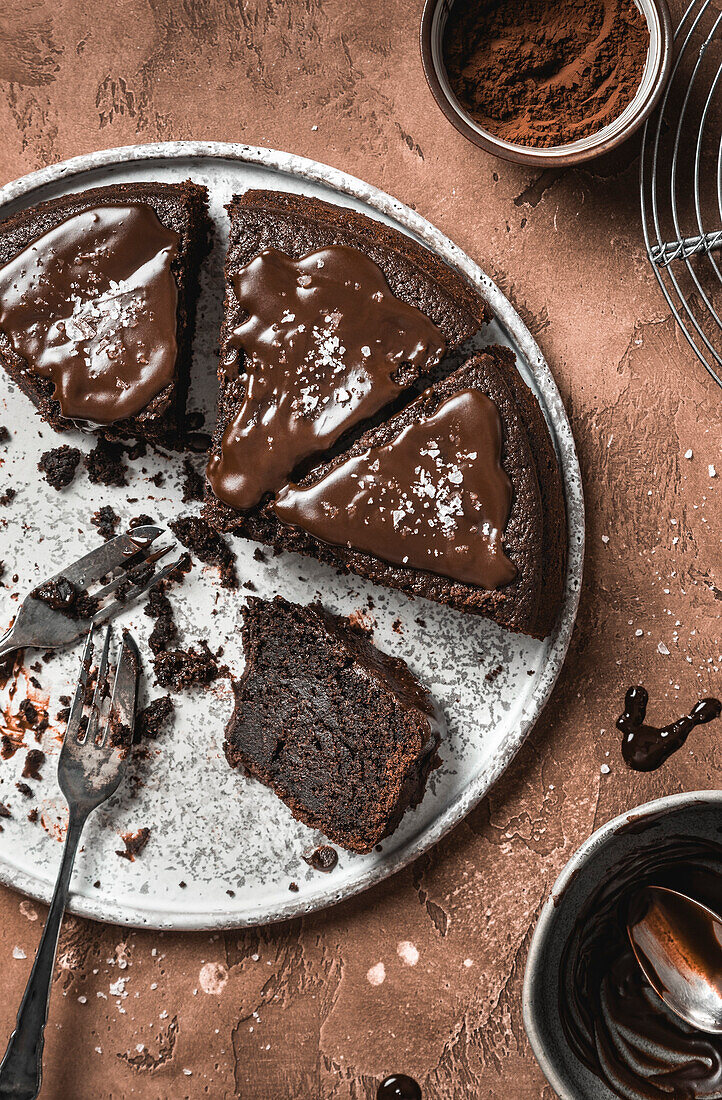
{"points": [[693, 815], [656, 72]]}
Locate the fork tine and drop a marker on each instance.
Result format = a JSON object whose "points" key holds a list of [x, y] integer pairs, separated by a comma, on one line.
{"points": [[135, 592], [94, 715], [150, 559], [105, 558], [125, 691], [76, 708]]}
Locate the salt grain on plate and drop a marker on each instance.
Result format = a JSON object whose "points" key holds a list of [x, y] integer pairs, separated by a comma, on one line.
{"points": [[213, 978], [376, 975], [407, 952]]}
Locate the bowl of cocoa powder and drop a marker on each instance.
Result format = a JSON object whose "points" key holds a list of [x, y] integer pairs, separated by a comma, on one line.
{"points": [[546, 82]]}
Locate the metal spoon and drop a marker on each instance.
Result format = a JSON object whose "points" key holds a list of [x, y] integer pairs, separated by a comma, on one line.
{"points": [[678, 944]]}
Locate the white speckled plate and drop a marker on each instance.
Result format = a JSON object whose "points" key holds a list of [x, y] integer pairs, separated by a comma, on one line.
{"points": [[223, 850]]}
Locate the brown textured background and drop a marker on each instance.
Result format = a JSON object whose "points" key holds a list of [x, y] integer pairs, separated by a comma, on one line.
{"points": [[290, 1012]]}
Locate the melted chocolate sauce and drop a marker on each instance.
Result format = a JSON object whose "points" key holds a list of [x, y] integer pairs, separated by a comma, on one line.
{"points": [[644, 747], [91, 305], [323, 858], [327, 345], [436, 497], [614, 1021], [398, 1087]]}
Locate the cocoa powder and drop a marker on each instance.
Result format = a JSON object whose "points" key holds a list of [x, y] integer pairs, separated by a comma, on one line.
{"points": [[545, 72]]}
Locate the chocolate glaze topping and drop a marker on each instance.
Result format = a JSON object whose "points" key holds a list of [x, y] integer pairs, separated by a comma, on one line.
{"points": [[615, 1022], [91, 305], [436, 497], [644, 747], [327, 345]]}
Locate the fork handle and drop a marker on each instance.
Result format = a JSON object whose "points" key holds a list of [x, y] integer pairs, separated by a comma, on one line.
{"points": [[22, 1067]]}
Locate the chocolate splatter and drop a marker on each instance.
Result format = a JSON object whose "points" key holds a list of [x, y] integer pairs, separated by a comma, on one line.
{"points": [[646, 747]]}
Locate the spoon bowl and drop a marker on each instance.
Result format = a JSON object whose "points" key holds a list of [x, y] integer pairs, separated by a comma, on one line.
{"points": [[678, 944]]}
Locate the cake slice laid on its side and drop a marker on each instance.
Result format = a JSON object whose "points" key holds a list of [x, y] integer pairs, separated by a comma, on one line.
{"points": [[329, 317], [447, 500], [343, 733], [97, 303]]}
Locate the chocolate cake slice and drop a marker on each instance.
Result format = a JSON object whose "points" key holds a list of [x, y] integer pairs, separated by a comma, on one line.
{"points": [[456, 498], [343, 733], [97, 302], [329, 317]]}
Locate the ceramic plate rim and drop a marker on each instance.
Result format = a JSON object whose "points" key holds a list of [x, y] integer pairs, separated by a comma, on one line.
{"points": [[553, 408]]}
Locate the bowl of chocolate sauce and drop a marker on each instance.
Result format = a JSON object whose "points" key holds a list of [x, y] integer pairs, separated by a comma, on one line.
{"points": [[597, 1028]]}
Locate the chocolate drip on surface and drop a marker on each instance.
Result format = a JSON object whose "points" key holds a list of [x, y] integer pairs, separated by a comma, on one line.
{"points": [[645, 747], [436, 497], [614, 1021], [398, 1087], [327, 346], [91, 306]]}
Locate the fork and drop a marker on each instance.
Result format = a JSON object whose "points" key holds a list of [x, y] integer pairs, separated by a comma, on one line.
{"points": [[37, 624], [90, 768]]}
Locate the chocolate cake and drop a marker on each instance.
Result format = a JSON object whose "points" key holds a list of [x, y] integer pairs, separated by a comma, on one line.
{"points": [[456, 498], [59, 465], [343, 733], [329, 317], [97, 303]]}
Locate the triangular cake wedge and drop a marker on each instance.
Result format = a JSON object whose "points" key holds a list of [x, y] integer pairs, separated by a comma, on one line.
{"points": [[343, 733], [97, 304], [446, 500], [329, 317]]}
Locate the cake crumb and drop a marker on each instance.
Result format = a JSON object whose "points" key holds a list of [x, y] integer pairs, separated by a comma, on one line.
{"points": [[194, 484], [208, 546], [106, 520], [182, 668], [59, 465], [105, 464], [134, 844], [153, 719], [33, 762]]}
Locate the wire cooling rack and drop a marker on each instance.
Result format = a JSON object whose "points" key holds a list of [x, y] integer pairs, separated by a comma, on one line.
{"points": [[681, 184]]}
